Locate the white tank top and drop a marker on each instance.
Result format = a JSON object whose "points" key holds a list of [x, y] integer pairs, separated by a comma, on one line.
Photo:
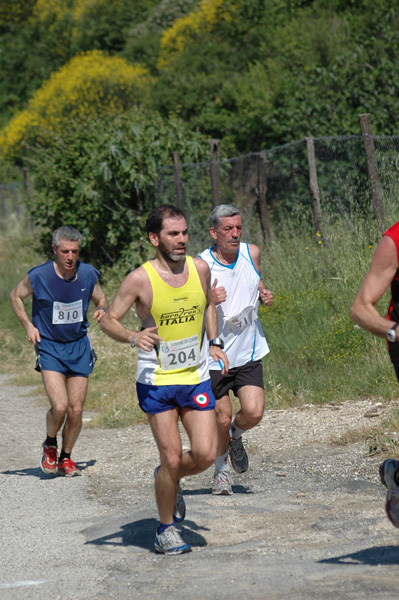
{"points": [[238, 322]]}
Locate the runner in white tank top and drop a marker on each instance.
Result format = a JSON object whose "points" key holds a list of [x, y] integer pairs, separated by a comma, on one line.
{"points": [[238, 322], [237, 288]]}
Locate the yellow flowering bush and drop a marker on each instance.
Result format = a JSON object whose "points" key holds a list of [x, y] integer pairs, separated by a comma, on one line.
{"points": [[89, 86], [201, 19]]}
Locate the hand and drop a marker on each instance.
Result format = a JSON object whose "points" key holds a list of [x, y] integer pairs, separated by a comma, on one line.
{"points": [[219, 294], [33, 335], [219, 355], [266, 297], [98, 314], [147, 338]]}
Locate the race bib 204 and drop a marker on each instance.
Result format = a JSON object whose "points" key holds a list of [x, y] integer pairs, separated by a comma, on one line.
{"points": [[181, 354]]}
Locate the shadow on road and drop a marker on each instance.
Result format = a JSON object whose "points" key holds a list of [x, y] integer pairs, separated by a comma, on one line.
{"points": [[377, 555], [237, 489], [141, 533], [37, 472]]}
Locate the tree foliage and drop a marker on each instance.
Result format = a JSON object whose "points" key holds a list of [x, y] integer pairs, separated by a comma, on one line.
{"points": [[96, 178], [253, 73]]}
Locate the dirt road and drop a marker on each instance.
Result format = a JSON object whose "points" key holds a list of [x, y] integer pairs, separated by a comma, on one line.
{"points": [[307, 521]]}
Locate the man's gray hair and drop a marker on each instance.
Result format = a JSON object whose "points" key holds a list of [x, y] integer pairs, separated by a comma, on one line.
{"points": [[66, 232], [220, 211]]}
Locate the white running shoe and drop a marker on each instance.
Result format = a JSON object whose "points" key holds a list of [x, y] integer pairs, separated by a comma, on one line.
{"points": [[170, 542], [222, 482]]}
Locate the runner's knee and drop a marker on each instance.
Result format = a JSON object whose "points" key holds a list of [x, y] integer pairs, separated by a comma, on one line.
{"points": [[205, 457], [75, 413], [253, 416], [223, 418], [171, 461]]}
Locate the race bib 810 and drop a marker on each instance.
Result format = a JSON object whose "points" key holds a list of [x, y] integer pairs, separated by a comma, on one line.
{"points": [[65, 314]]}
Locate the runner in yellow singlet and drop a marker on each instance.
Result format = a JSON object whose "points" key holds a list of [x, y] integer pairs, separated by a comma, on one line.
{"points": [[172, 296]]}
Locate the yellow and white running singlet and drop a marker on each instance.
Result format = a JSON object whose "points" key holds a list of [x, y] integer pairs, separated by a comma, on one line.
{"points": [[181, 358]]}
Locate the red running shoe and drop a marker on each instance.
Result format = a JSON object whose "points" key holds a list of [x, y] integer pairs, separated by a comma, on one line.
{"points": [[68, 468], [48, 462]]}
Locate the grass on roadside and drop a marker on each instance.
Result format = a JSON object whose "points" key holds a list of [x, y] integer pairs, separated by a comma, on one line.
{"points": [[317, 354], [381, 438]]}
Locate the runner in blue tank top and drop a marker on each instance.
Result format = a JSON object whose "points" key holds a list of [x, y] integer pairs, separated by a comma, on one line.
{"points": [[61, 291]]}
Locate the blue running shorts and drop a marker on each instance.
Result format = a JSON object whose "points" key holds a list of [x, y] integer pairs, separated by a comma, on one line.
{"points": [[154, 399], [69, 358]]}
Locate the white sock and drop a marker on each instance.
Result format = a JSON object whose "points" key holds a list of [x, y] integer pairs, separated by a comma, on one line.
{"points": [[235, 432], [221, 462]]}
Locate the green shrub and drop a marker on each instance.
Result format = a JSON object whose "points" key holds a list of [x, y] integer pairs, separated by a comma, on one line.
{"points": [[97, 178]]}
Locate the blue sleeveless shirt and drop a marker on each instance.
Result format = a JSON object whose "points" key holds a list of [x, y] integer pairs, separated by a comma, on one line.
{"points": [[59, 307]]}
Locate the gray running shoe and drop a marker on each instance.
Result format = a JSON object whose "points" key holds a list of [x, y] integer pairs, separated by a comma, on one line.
{"points": [[179, 511], [387, 473], [222, 482], [238, 455], [170, 542]]}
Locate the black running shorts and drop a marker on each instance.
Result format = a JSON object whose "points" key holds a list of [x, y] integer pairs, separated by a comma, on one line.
{"points": [[236, 378]]}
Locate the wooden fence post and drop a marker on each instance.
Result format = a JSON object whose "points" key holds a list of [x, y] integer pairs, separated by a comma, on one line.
{"points": [[262, 195], [374, 178], [178, 180], [25, 172], [3, 204], [214, 171], [314, 187]]}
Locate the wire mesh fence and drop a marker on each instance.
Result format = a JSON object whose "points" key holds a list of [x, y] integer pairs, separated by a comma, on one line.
{"points": [[279, 181], [274, 186], [11, 201]]}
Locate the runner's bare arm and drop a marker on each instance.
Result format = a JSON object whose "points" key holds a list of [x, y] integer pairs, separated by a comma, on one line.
{"points": [[133, 289], [101, 302], [378, 279], [265, 295], [22, 291], [211, 322]]}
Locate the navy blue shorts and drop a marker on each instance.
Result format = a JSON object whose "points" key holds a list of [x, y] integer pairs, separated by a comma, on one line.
{"points": [[69, 358], [236, 378], [154, 399]]}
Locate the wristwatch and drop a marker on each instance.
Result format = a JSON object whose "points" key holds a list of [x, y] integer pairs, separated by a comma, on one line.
{"points": [[391, 334], [217, 342]]}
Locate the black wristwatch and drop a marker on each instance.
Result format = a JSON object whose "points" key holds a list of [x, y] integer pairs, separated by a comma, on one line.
{"points": [[217, 342], [391, 333]]}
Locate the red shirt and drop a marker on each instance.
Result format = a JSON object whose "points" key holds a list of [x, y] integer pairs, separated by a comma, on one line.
{"points": [[393, 310]]}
